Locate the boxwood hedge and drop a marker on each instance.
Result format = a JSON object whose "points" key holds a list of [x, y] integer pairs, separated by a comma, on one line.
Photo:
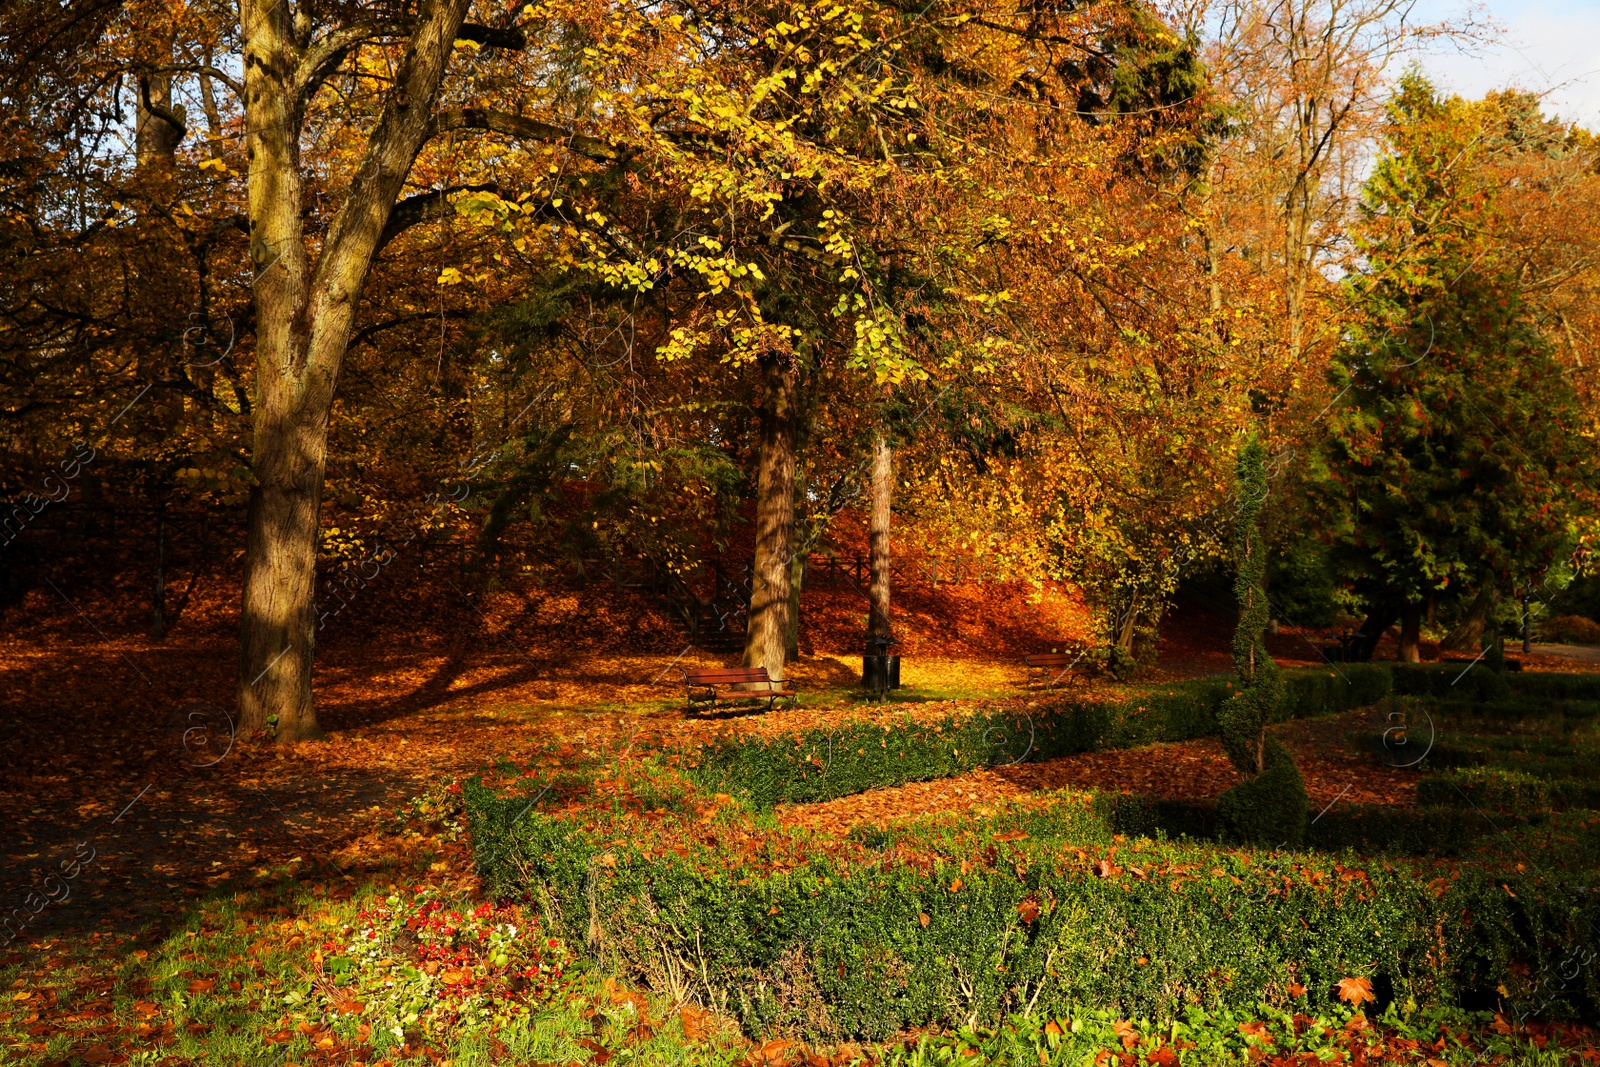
{"points": [[1032, 910], [856, 756]]}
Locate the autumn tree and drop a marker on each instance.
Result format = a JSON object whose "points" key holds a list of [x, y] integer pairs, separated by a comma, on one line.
{"points": [[1456, 452]]}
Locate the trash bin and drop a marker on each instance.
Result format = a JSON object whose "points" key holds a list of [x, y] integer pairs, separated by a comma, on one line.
{"points": [[880, 672]]}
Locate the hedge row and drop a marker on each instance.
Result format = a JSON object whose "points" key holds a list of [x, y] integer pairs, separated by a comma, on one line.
{"points": [[1372, 830], [1500, 789], [857, 756], [1037, 910], [1478, 683]]}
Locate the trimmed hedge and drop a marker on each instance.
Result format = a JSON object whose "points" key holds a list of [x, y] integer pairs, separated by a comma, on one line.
{"points": [[1031, 911], [857, 756], [1556, 686], [1506, 789], [1460, 681]]}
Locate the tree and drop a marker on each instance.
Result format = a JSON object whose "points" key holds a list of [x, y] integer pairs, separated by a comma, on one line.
{"points": [[1269, 807], [1456, 449], [880, 623]]}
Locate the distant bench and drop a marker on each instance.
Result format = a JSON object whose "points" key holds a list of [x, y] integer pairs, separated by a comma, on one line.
{"points": [[1049, 668], [700, 687]]}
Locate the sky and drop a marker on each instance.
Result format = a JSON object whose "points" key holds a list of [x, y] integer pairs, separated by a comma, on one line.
{"points": [[1548, 46]]}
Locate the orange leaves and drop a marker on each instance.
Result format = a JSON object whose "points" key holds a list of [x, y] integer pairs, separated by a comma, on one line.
{"points": [[1028, 910], [1257, 1030], [697, 1022], [922, 917], [1355, 991]]}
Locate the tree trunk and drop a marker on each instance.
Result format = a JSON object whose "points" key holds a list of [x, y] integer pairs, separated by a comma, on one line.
{"points": [[158, 125], [880, 620], [1527, 623], [1377, 623], [1411, 633], [797, 578], [768, 629], [1469, 631], [304, 317]]}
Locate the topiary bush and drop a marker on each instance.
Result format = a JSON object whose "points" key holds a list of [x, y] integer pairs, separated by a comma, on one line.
{"points": [[1270, 806]]}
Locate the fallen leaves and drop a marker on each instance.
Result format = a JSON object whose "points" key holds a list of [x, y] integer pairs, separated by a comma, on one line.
{"points": [[696, 1022], [1355, 991]]}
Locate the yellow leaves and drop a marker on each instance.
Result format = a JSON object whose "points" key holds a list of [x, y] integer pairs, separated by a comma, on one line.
{"points": [[453, 276]]}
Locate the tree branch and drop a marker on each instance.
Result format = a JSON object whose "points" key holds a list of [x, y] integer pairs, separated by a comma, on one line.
{"points": [[424, 207], [187, 68], [478, 118]]}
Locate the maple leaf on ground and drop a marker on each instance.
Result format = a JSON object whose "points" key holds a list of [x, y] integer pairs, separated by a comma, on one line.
{"points": [[1029, 910], [772, 1052], [1355, 990], [1125, 1030], [1257, 1030], [1296, 989], [696, 1022]]}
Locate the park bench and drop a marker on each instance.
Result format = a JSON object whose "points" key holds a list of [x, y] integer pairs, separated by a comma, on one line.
{"points": [[701, 686], [1049, 668]]}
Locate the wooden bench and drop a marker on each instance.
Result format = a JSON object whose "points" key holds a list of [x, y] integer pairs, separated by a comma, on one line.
{"points": [[1050, 668], [700, 686]]}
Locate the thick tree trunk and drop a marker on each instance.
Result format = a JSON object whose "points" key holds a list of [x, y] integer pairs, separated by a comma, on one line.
{"points": [[880, 622], [1377, 623], [768, 627], [1468, 633], [304, 316], [1411, 633]]}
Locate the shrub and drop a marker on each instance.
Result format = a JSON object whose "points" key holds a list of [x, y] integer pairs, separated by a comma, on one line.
{"points": [[1459, 681], [856, 755], [1542, 686], [1269, 809], [1505, 789], [1570, 630], [1038, 910]]}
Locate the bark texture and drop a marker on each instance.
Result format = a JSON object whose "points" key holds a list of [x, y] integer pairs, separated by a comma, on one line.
{"points": [[305, 312], [880, 622], [1468, 633], [1411, 633], [768, 629]]}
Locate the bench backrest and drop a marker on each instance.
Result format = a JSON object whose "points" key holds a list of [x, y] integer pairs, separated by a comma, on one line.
{"points": [[726, 676], [1052, 659]]}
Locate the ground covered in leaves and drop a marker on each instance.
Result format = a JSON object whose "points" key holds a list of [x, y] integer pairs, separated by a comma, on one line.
{"points": [[177, 900]]}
